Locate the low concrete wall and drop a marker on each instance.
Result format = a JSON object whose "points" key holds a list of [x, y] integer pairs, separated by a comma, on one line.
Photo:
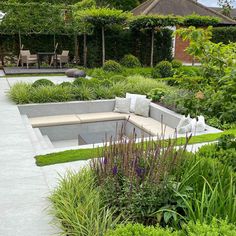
{"points": [[164, 115], [66, 108]]}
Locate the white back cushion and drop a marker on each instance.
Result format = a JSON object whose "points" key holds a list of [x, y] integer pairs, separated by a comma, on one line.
{"points": [[142, 106], [122, 105], [133, 99]]}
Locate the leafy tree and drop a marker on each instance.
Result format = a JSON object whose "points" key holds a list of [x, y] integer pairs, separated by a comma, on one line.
{"points": [[125, 5], [227, 6], [217, 59], [152, 23], [103, 18]]}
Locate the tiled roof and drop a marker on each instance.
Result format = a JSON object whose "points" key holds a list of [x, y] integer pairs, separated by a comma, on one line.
{"points": [[179, 8]]}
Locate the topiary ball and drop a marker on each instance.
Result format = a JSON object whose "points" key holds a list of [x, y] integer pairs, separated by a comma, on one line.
{"points": [[65, 84], [79, 74], [130, 61], [176, 63], [163, 69], [79, 81], [112, 66], [70, 72], [42, 82]]}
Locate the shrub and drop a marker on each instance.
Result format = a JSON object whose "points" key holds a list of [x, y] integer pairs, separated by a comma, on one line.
{"points": [[208, 182], [214, 228], [189, 70], [112, 66], [142, 71], [176, 63], [141, 85], [140, 230], [128, 177], [117, 78], [156, 94], [55, 93], [83, 93], [99, 73], [224, 150], [65, 84], [79, 81], [78, 207], [103, 92], [42, 82], [162, 70], [20, 93], [130, 61]]}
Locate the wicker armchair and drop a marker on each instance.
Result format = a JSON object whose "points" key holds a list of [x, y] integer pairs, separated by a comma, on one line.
{"points": [[27, 58], [63, 58]]}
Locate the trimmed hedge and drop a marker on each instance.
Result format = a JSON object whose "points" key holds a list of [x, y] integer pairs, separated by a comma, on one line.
{"points": [[136, 43], [224, 34]]}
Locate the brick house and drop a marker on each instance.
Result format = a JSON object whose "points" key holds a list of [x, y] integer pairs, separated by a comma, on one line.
{"points": [[180, 8]]}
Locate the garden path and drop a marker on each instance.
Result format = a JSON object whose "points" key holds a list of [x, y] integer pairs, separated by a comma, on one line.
{"points": [[24, 187]]}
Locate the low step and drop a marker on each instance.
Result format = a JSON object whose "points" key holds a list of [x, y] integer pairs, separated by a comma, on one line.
{"points": [[41, 139], [48, 141], [33, 138]]}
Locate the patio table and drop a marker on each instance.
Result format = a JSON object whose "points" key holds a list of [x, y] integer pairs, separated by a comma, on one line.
{"points": [[40, 55]]}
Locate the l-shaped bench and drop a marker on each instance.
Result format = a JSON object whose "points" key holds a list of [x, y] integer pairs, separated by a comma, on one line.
{"points": [[51, 114]]}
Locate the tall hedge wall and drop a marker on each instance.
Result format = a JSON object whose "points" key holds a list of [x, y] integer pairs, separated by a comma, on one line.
{"points": [[118, 43], [224, 34]]}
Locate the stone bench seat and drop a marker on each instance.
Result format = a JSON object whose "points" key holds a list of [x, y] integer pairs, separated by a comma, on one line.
{"points": [[147, 124]]}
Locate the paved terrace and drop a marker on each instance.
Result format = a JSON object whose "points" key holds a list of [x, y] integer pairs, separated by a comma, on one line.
{"points": [[24, 187]]}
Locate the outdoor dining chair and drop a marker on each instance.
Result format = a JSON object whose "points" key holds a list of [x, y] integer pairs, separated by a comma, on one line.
{"points": [[63, 58], [27, 58]]}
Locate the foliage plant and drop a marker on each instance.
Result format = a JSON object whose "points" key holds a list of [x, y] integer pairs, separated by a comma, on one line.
{"points": [[217, 59], [157, 94], [42, 82], [224, 150], [163, 70], [135, 178], [112, 66], [176, 63], [78, 207], [130, 61], [211, 191], [214, 228], [140, 230]]}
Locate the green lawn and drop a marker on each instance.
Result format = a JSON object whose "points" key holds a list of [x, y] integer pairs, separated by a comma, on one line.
{"points": [[85, 154]]}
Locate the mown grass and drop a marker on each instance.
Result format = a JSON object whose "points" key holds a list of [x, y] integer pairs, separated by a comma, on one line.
{"points": [[85, 154]]}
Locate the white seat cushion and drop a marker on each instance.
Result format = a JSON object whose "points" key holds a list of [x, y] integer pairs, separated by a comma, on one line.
{"points": [[54, 120], [103, 116]]}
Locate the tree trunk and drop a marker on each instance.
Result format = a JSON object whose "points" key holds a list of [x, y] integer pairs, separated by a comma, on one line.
{"points": [[54, 41], [20, 41], [76, 48], [85, 50], [152, 48], [103, 46]]}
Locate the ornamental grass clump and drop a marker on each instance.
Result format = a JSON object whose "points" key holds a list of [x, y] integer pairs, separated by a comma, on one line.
{"points": [[136, 177]]}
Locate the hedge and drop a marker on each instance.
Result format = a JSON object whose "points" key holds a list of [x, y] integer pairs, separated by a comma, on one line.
{"points": [[136, 43], [224, 34]]}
